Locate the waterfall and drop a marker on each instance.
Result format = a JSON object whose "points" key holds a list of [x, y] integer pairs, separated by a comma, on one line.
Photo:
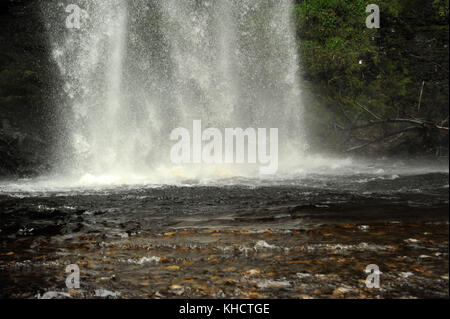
{"points": [[136, 70]]}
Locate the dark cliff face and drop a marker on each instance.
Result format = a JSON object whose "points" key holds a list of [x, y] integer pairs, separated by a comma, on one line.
{"points": [[27, 117]]}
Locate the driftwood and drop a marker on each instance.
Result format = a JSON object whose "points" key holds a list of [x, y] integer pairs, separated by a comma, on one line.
{"points": [[418, 125], [408, 129], [423, 124]]}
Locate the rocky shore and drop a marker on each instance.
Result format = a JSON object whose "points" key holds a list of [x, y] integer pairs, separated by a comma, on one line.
{"points": [[328, 261]]}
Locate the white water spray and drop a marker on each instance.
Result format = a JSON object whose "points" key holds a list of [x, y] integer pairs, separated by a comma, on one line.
{"points": [[136, 70]]}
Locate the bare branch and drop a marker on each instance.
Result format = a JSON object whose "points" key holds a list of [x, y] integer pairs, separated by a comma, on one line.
{"points": [[355, 148], [420, 96], [372, 123], [369, 111]]}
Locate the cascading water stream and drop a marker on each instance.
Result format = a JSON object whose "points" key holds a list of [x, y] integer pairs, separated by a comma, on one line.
{"points": [[135, 71]]}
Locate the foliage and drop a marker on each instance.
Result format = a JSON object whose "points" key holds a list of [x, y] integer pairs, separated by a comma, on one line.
{"points": [[348, 65]]}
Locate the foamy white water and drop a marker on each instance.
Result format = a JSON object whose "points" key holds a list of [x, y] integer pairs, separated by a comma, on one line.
{"points": [[316, 172], [135, 71]]}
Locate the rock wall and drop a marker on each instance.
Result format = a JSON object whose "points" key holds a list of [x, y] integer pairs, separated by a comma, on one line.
{"points": [[27, 113]]}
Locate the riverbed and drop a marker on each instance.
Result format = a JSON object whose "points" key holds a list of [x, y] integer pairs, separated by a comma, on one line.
{"points": [[309, 237]]}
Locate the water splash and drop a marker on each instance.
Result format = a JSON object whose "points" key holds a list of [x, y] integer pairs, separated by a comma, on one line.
{"points": [[134, 71]]}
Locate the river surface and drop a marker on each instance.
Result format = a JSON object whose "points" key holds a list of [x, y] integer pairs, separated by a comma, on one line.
{"points": [[305, 236]]}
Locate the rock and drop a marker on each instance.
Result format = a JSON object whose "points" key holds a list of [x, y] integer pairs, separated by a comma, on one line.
{"points": [[252, 272], [103, 293], [262, 244], [54, 295], [173, 267], [268, 284], [176, 290]]}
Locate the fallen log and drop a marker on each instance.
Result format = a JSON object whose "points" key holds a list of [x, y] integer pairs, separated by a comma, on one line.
{"points": [[355, 148], [417, 125], [423, 124]]}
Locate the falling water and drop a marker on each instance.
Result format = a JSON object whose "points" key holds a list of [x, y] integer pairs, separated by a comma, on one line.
{"points": [[136, 70]]}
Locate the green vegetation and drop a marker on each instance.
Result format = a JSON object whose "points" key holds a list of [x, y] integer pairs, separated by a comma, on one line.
{"points": [[346, 65]]}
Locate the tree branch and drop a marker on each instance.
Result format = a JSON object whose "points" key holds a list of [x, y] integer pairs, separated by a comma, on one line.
{"points": [[355, 148]]}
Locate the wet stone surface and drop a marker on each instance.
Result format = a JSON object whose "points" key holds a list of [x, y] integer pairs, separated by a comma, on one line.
{"points": [[274, 242], [326, 262]]}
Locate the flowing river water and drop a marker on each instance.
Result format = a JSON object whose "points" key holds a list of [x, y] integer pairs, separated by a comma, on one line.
{"points": [[306, 236], [139, 227]]}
